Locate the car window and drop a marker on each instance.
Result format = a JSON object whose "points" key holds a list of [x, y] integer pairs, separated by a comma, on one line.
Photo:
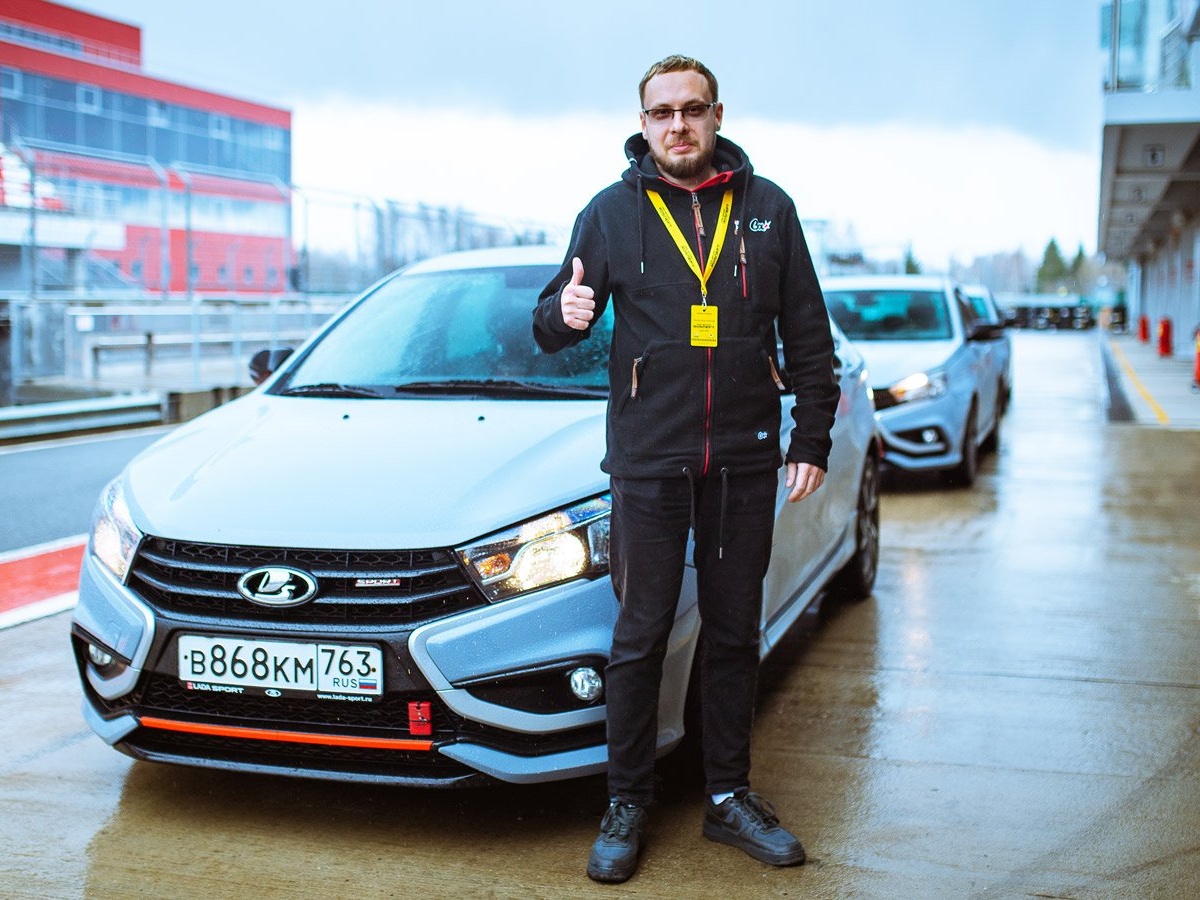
{"points": [[890, 315], [452, 326], [984, 308]]}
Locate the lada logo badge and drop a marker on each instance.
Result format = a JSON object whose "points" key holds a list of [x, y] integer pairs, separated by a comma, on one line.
{"points": [[277, 586]]}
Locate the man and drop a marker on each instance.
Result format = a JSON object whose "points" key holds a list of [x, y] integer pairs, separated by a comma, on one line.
{"points": [[702, 261]]}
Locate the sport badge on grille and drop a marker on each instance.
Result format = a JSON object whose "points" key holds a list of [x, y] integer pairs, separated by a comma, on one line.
{"points": [[277, 586]]}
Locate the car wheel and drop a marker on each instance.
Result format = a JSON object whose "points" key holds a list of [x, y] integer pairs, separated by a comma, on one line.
{"points": [[963, 475], [856, 579], [991, 443]]}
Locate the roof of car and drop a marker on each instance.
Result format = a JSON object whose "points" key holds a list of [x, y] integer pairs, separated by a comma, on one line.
{"points": [[894, 282], [973, 290]]}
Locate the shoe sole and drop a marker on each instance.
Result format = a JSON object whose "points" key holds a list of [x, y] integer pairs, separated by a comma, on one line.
{"points": [[614, 875], [610, 876], [721, 836]]}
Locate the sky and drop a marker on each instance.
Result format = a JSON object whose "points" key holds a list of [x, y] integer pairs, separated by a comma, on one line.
{"points": [[955, 127]]}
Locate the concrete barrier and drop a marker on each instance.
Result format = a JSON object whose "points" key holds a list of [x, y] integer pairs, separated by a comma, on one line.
{"points": [[182, 406]]}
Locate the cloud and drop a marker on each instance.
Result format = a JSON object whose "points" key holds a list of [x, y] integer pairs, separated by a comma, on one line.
{"points": [[950, 193]]}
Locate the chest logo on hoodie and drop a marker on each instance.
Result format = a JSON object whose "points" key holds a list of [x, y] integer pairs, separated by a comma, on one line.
{"points": [[760, 225]]}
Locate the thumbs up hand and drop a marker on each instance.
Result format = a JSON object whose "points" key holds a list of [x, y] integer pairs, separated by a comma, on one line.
{"points": [[577, 300]]}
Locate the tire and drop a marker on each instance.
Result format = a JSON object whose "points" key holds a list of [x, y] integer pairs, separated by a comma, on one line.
{"points": [[991, 444], [963, 475], [856, 579]]}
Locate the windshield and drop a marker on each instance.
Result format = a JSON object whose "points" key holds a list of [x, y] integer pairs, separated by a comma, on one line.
{"points": [[464, 331], [890, 315]]}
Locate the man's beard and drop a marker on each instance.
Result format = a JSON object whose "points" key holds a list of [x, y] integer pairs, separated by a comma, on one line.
{"points": [[685, 167]]}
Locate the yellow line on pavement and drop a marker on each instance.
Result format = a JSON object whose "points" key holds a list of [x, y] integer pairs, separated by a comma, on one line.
{"points": [[1163, 418]]}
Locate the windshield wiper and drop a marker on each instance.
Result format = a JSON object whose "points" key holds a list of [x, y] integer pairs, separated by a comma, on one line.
{"points": [[506, 386], [331, 389]]}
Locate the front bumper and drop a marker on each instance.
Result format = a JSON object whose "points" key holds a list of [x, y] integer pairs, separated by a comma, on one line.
{"points": [[923, 436], [489, 675]]}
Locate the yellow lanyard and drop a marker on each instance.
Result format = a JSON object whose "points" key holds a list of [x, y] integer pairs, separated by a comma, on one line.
{"points": [[681, 242]]}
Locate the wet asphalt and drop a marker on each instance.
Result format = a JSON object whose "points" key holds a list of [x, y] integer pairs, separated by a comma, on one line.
{"points": [[1015, 713]]}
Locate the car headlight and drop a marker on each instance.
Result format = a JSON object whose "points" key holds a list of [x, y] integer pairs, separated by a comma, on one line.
{"points": [[921, 386], [114, 537], [559, 546]]}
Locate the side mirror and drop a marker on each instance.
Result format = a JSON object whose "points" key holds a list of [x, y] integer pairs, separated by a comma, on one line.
{"points": [[264, 363], [985, 331]]}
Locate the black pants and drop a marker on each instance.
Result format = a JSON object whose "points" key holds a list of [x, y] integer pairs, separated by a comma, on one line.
{"points": [[734, 519]]}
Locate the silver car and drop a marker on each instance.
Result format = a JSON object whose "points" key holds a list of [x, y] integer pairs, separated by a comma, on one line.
{"points": [[389, 562], [983, 302], [939, 392]]}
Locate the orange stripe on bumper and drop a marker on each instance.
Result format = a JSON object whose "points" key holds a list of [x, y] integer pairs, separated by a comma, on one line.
{"points": [[290, 737]]}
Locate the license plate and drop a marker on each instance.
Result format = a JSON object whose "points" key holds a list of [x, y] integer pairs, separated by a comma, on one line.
{"points": [[280, 668]]}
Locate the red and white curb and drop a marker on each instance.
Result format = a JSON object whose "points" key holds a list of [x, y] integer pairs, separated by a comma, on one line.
{"points": [[40, 580]]}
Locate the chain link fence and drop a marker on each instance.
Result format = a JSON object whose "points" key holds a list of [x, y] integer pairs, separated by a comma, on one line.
{"points": [[123, 275]]}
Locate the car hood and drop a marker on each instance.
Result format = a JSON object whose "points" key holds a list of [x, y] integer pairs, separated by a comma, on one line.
{"points": [[889, 361], [366, 474]]}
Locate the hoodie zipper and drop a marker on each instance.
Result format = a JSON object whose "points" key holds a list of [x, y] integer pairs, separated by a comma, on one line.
{"points": [[708, 354]]}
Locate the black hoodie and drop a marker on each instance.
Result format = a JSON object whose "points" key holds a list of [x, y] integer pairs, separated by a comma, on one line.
{"points": [[673, 406]]}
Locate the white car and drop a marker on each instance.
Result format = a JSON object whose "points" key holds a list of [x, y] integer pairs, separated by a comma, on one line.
{"points": [[939, 394], [390, 561]]}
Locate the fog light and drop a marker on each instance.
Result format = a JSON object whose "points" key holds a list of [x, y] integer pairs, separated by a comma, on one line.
{"points": [[99, 657], [929, 435], [586, 683]]}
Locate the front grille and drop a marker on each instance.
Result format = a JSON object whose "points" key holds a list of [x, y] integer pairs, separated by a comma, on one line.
{"points": [[355, 587], [163, 695]]}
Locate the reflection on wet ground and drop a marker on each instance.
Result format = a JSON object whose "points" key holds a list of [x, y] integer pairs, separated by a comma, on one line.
{"points": [[1014, 713]]}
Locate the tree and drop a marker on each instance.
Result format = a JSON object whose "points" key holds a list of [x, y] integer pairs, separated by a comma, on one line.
{"points": [[1053, 272], [911, 266], [1079, 265]]}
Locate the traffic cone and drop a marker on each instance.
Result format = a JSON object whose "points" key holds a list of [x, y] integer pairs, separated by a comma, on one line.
{"points": [[1164, 337], [1196, 366]]}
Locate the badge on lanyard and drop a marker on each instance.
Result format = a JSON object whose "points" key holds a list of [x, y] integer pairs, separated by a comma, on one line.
{"points": [[704, 326], [704, 317]]}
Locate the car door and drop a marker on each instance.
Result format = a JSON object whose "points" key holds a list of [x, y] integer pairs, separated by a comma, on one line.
{"points": [[985, 365], [807, 533]]}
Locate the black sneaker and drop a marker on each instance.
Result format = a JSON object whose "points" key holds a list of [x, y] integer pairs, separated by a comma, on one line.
{"points": [[748, 822], [615, 854]]}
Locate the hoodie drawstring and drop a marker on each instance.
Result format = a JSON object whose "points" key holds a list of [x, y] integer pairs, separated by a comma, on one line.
{"points": [[691, 498], [641, 228], [724, 504], [721, 520]]}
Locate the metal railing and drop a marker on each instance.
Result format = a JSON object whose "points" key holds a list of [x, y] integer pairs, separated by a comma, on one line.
{"points": [[100, 337], [72, 416], [120, 338]]}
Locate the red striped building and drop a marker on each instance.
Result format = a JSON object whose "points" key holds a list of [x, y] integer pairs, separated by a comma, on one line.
{"points": [[135, 182]]}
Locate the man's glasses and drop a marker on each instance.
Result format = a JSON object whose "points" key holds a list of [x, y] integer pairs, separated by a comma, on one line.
{"points": [[693, 112]]}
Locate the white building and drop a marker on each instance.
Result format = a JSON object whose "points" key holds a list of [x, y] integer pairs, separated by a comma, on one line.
{"points": [[1150, 166]]}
